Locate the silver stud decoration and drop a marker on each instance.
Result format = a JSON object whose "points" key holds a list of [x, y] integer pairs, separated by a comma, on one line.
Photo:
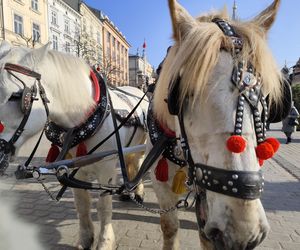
{"points": [[230, 183], [235, 176], [234, 190]]}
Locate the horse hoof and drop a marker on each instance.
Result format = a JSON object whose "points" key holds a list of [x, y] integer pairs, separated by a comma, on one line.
{"points": [[139, 198], [124, 197]]}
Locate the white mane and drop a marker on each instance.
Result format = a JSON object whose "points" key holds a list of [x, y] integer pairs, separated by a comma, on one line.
{"points": [[65, 78]]}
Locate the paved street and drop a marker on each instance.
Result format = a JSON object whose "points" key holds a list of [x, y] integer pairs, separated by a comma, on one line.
{"points": [[138, 229]]}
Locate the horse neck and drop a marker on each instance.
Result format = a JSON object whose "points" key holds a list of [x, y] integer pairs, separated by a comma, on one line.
{"points": [[68, 88]]}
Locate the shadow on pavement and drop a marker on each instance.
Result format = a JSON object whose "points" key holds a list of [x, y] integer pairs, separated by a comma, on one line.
{"points": [[283, 196]]}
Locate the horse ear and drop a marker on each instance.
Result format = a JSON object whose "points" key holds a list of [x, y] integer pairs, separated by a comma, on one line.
{"points": [[266, 18], [35, 56], [182, 21], [5, 47]]}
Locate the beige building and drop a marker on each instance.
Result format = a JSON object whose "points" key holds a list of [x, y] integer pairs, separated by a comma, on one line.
{"points": [[24, 22], [90, 40], [115, 52]]}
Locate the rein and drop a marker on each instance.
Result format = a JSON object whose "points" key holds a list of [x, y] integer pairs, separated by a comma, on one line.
{"points": [[27, 96]]}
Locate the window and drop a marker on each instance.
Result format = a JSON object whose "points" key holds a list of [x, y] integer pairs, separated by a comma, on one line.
{"points": [[54, 18], [35, 5], [67, 26], [84, 25], [18, 23], [68, 47], [36, 34], [108, 38], [54, 42], [98, 37]]}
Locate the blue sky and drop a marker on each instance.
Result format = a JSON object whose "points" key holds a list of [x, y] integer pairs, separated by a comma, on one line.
{"points": [[149, 19]]}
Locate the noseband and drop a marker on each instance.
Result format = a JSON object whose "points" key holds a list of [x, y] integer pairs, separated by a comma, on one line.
{"points": [[27, 97], [247, 185]]}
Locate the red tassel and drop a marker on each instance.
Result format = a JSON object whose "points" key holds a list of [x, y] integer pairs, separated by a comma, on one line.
{"points": [[274, 143], [264, 151], [161, 171], [52, 153], [236, 144], [1, 127], [260, 162], [81, 149]]}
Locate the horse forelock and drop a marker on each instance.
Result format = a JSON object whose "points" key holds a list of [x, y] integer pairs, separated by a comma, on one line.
{"points": [[195, 56]]}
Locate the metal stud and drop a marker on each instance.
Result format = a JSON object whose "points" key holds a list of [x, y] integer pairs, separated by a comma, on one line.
{"points": [[230, 183], [240, 114], [257, 119], [205, 177], [234, 190], [238, 125], [238, 131], [224, 188], [208, 184], [203, 181], [215, 182], [235, 176], [242, 98], [239, 120], [209, 172], [240, 108]]}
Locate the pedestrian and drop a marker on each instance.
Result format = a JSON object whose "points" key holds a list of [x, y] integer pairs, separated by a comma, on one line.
{"points": [[290, 123]]}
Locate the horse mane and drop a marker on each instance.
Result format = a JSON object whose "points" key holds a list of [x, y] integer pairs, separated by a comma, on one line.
{"points": [[196, 54], [66, 77]]}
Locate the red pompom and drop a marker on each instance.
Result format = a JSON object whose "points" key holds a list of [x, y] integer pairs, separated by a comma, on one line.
{"points": [[161, 170], [236, 144], [81, 149], [264, 151], [260, 162], [274, 143], [1, 127], [52, 153]]}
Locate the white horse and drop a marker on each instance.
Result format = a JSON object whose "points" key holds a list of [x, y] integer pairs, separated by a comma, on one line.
{"points": [[204, 101], [67, 84]]}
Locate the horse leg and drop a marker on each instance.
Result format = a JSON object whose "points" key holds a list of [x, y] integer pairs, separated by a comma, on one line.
{"points": [[107, 236], [83, 204], [104, 207], [168, 221], [133, 162]]}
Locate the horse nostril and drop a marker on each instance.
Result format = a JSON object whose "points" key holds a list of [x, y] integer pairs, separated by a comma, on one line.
{"points": [[215, 234]]}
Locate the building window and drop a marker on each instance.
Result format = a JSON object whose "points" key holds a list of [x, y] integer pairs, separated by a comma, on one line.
{"points": [[54, 18], [67, 26], [36, 33], [68, 47], [108, 38], [54, 42], [98, 37], [18, 23], [35, 5], [84, 25]]}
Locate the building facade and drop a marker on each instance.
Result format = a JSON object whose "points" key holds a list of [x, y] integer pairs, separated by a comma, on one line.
{"points": [[295, 76], [115, 52], [141, 72], [64, 26], [24, 22], [91, 36]]}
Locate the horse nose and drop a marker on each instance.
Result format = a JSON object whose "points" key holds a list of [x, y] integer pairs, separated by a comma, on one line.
{"points": [[216, 236], [221, 242]]}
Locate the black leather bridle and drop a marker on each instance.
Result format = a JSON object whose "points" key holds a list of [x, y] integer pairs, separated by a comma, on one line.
{"points": [[247, 185], [27, 96]]}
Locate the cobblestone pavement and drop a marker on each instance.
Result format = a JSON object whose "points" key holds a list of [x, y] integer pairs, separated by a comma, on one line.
{"points": [[137, 229]]}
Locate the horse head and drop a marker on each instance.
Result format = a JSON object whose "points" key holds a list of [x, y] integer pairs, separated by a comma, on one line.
{"points": [[214, 79], [21, 114]]}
